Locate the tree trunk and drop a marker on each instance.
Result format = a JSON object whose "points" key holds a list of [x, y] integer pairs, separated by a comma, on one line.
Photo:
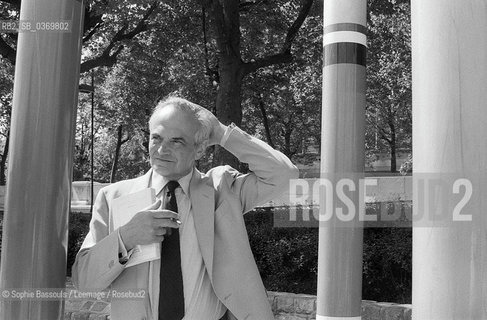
{"points": [[288, 130], [393, 149], [265, 120], [228, 107], [120, 142], [225, 17], [3, 160]]}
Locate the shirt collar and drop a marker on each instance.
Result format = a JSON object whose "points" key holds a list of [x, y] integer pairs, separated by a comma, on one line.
{"points": [[158, 182]]}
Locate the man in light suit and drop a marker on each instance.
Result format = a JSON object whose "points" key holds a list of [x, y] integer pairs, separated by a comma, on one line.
{"points": [[220, 277]]}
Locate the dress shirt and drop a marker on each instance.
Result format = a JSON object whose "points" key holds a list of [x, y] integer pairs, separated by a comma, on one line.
{"points": [[200, 301]]}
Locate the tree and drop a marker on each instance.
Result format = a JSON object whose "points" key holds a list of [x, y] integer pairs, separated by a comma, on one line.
{"points": [[389, 96], [282, 104], [83, 140], [107, 27], [125, 110], [235, 61]]}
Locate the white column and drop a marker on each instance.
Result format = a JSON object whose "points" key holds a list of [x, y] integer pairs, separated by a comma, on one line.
{"points": [[40, 161], [449, 47]]}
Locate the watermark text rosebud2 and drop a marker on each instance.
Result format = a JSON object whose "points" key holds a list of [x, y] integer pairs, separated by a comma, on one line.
{"points": [[421, 200]]}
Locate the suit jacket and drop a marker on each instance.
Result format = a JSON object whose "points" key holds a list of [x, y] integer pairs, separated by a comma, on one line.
{"points": [[218, 199]]}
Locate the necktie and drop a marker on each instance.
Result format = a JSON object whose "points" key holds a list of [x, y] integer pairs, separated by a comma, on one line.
{"points": [[171, 296]]}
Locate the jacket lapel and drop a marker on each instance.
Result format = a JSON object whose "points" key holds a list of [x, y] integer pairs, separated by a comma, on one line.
{"points": [[202, 198], [154, 266]]}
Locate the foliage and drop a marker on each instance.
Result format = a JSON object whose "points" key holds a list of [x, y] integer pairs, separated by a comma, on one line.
{"points": [[287, 258], [78, 228], [387, 264], [82, 148], [282, 105], [388, 93], [133, 157]]}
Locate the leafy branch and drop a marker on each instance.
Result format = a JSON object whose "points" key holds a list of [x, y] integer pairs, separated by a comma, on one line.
{"points": [[284, 56]]}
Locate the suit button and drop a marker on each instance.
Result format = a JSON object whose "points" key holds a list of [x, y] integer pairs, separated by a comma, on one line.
{"points": [[111, 264]]}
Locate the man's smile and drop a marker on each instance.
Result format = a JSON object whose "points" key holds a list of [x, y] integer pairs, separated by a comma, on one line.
{"points": [[164, 160]]}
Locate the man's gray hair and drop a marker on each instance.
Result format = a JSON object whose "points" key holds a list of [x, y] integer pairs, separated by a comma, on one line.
{"points": [[200, 114]]}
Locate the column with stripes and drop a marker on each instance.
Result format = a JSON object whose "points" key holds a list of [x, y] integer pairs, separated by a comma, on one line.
{"points": [[342, 161]]}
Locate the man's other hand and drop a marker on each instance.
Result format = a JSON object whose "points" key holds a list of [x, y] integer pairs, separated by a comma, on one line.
{"points": [[148, 226], [217, 131]]}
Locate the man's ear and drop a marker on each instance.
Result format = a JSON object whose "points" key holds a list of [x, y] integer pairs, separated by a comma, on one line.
{"points": [[200, 149]]}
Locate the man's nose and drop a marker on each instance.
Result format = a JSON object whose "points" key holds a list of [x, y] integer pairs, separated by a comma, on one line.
{"points": [[163, 147]]}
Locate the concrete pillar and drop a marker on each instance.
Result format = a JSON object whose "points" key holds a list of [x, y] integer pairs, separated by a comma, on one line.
{"points": [[342, 160], [449, 50], [40, 162]]}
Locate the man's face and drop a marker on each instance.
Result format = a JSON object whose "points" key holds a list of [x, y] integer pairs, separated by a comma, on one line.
{"points": [[172, 146]]}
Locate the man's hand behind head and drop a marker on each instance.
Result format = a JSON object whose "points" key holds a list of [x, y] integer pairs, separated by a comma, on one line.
{"points": [[217, 131]]}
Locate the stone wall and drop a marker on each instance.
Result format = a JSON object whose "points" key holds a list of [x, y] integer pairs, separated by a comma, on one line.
{"points": [[290, 306]]}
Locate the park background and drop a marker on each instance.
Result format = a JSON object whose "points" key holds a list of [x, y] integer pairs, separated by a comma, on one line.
{"points": [[257, 64]]}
